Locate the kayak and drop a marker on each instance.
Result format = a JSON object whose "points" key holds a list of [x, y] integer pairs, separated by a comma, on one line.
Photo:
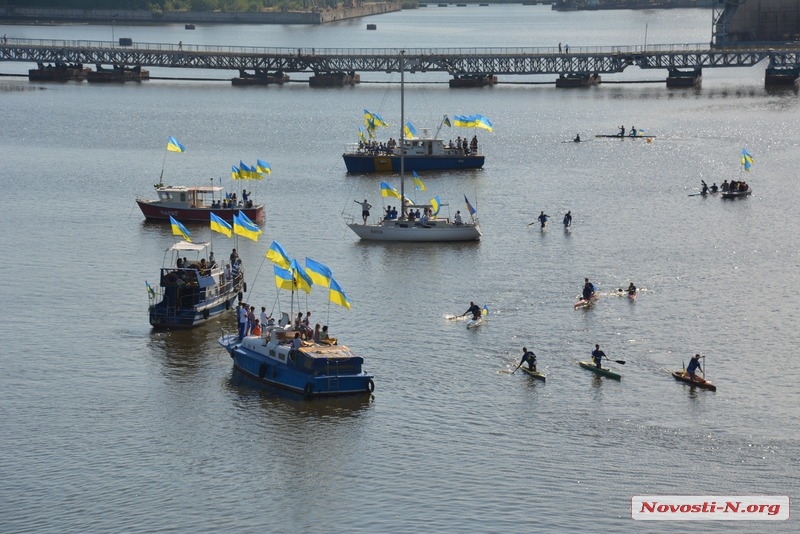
{"points": [[626, 136], [534, 374], [683, 376], [474, 323], [584, 303], [632, 296], [600, 370]]}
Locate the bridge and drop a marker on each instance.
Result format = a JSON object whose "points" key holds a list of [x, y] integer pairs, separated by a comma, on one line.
{"points": [[578, 65]]}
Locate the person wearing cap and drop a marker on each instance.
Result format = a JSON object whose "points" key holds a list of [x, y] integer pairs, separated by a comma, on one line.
{"points": [[694, 365]]}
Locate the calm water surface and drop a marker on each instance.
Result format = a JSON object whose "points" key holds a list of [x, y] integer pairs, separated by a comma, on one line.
{"points": [[108, 427]]}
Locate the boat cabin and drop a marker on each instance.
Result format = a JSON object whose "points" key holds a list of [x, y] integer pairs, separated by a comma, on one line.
{"points": [[193, 197]]}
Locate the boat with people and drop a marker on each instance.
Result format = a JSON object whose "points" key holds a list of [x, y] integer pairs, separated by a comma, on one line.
{"points": [[197, 203], [422, 152], [618, 136], [602, 371], [312, 370], [686, 378], [737, 189], [193, 291], [415, 222]]}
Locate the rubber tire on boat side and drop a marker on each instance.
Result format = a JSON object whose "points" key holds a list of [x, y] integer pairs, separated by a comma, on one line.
{"points": [[370, 386], [244, 286], [227, 305], [262, 370], [205, 313], [308, 391]]}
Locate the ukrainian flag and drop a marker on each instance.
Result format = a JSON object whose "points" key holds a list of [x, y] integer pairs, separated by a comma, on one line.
{"points": [[388, 191], [263, 166], [301, 279], [319, 273], [173, 145], [410, 131], [179, 229], [244, 228], [283, 278], [220, 225], [417, 182], [484, 122], [337, 296], [150, 291], [234, 172], [436, 204], [469, 206], [747, 160], [278, 256]]}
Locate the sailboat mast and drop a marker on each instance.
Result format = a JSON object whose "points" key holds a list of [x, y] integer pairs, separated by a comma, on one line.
{"points": [[402, 136]]}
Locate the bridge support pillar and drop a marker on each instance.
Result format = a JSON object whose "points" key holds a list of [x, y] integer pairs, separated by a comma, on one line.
{"points": [[781, 76], [682, 78], [334, 79], [577, 79]]}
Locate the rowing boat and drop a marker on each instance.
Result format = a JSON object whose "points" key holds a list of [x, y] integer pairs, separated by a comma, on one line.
{"points": [[600, 370], [683, 376], [534, 374], [627, 136]]}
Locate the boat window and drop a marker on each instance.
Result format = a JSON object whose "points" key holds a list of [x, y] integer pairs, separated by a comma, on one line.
{"points": [[183, 197], [165, 195]]}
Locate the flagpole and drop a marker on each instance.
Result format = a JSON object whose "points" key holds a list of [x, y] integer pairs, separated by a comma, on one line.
{"points": [[163, 164]]}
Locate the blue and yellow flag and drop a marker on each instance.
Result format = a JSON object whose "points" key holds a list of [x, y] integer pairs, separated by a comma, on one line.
{"points": [[436, 205], [234, 172], [373, 119], [174, 146], [472, 210], [283, 278], [409, 131], [220, 225], [263, 166], [301, 279], [361, 135], [278, 256], [747, 160], [417, 182], [246, 219], [319, 273], [150, 291], [485, 310], [244, 228], [337, 296], [484, 122], [388, 191], [446, 121], [179, 229]]}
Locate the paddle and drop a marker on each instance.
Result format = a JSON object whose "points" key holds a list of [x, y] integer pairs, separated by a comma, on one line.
{"points": [[515, 370], [621, 362]]}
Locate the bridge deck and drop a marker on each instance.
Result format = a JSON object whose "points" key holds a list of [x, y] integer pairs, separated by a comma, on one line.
{"points": [[455, 61]]}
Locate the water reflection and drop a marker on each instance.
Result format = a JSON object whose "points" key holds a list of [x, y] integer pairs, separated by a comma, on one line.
{"points": [[190, 350], [287, 404]]}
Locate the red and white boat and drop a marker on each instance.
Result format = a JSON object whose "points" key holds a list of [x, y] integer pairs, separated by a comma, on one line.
{"points": [[194, 204]]}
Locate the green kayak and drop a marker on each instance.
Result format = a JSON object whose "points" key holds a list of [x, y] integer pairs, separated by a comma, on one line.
{"points": [[600, 370], [534, 374]]}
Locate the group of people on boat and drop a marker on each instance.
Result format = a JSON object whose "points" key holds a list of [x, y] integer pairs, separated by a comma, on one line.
{"points": [[631, 133], [375, 147], [250, 325], [230, 202], [467, 146], [734, 185]]}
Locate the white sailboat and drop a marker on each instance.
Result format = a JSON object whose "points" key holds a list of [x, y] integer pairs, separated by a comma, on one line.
{"points": [[409, 230]]}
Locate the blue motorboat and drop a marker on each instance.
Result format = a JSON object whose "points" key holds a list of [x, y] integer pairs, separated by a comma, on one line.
{"points": [[313, 370], [191, 292]]}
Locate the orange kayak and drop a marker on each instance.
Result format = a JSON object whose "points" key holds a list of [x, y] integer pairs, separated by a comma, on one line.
{"points": [[683, 376]]}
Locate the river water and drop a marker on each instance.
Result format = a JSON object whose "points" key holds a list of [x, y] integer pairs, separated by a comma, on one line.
{"points": [[108, 426]]}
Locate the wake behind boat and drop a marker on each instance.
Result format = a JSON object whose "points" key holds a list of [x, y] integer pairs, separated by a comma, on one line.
{"points": [[192, 292]]}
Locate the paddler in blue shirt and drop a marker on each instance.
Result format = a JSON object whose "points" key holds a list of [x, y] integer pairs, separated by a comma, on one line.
{"points": [[694, 365], [597, 356], [530, 357], [474, 309], [588, 289]]}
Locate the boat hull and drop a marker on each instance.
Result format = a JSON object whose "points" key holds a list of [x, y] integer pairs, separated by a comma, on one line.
{"points": [[683, 376], [475, 323], [155, 211], [626, 136], [367, 163], [602, 371], [403, 232], [736, 194], [535, 374], [274, 364], [163, 317]]}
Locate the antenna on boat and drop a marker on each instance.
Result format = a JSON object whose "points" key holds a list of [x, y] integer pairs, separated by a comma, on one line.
{"points": [[441, 123], [402, 135]]}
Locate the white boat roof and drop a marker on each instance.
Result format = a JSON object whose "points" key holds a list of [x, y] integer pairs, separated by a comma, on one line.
{"points": [[185, 245], [198, 188]]}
